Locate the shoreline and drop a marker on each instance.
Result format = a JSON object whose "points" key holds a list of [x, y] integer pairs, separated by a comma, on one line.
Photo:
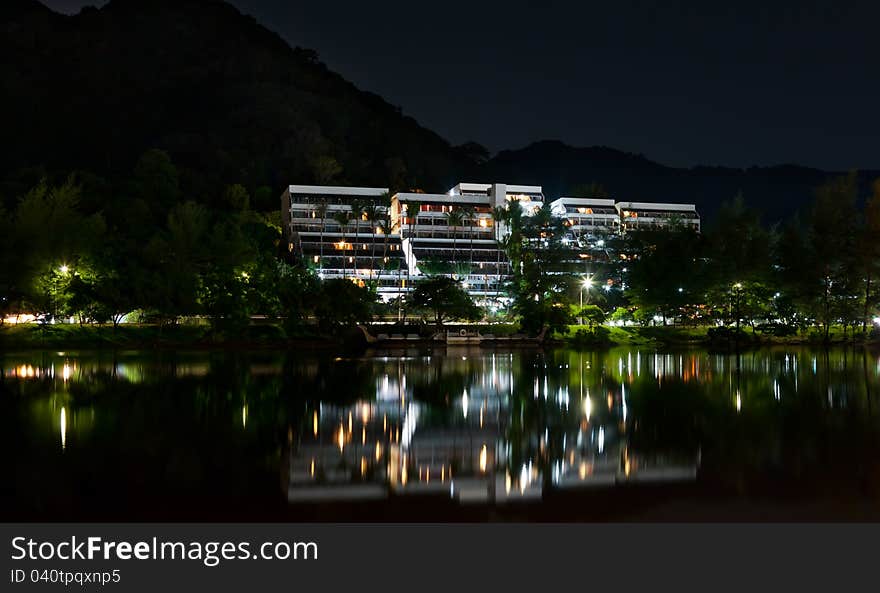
{"points": [[271, 337]]}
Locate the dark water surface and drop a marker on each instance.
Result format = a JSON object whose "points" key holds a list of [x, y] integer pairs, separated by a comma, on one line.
{"points": [[442, 434]]}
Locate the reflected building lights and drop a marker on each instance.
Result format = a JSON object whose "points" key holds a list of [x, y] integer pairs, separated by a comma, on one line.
{"points": [[63, 425]]}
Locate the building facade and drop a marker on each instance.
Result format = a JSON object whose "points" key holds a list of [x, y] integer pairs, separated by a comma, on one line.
{"points": [[363, 234], [344, 232], [649, 216], [459, 233]]}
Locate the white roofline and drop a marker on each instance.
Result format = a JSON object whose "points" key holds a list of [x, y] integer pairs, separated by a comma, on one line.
{"points": [[445, 198], [526, 189], [585, 201], [656, 206], [337, 190]]}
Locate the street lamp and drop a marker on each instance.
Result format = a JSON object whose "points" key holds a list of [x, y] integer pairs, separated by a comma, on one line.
{"points": [[63, 269], [586, 284], [737, 290]]}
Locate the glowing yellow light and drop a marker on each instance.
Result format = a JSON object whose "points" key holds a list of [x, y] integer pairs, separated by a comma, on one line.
{"points": [[312, 468], [315, 423], [244, 415], [63, 429], [340, 438], [378, 451], [484, 456], [65, 372]]}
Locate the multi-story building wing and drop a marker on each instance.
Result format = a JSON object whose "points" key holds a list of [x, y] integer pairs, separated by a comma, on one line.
{"points": [[450, 235], [344, 232], [648, 215], [457, 233], [589, 220], [354, 232]]}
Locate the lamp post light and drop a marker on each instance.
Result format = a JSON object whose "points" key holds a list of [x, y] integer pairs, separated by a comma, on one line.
{"points": [[586, 284], [737, 291], [63, 269]]}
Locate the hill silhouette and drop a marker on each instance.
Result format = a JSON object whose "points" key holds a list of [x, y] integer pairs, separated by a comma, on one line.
{"points": [[233, 102]]}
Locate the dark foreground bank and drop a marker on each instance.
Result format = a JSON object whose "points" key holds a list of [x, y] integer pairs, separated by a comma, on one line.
{"points": [[273, 336]]}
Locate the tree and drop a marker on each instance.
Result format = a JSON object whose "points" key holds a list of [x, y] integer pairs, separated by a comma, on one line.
{"points": [[50, 232], [621, 315], [342, 218], [321, 212], [540, 286], [667, 273], [593, 314], [454, 219], [325, 169], [469, 218], [833, 250], [445, 299], [236, 197], [870, 251], [373, 214], [156, 181], [357, 214], [341, 303], [296, 289]]}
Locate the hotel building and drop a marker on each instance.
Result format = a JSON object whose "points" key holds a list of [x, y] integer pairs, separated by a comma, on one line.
{"points": [[589, 220], [456, 233], [359, 233], [648, 215], [344, 232]]}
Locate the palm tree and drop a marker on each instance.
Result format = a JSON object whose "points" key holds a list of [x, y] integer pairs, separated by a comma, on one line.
{"points": [[321, 211], [373, 215], [342, 218], [469, 217], [357, 213], [500, 215], [384, 223], [454, 219]]}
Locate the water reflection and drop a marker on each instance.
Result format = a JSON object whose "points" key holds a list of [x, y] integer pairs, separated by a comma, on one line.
{"points": [[467, 425]]}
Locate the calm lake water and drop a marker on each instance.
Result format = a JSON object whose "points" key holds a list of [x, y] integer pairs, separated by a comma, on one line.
{"points": [[442, 434]]}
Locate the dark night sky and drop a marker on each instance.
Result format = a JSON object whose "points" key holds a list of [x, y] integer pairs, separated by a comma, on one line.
{"points": [[732, 83]]}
